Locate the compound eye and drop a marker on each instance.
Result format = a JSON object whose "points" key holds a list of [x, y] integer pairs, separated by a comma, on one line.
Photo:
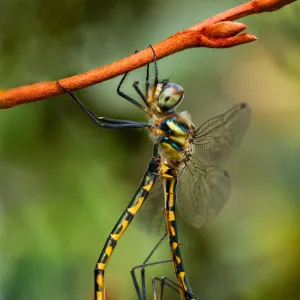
{"points": [[170, 96]]}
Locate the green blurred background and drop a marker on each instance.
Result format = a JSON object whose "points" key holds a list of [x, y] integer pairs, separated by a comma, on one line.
{"points": [[64, 181]]}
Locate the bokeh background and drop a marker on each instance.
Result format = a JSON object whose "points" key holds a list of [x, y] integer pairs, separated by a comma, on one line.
{"points": [[64, 181]]}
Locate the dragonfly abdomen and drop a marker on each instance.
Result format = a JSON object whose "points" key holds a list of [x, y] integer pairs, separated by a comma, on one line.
{"points": [[169, 176]]}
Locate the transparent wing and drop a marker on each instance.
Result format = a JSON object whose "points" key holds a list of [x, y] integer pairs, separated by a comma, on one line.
{"points": [[202, 192], [151, 218], [204, 187], [216, 138]]}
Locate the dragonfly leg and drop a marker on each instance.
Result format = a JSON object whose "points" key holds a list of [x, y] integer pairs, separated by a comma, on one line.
{"points": [[128, 98], [116, 121], [153, 89], [142, 295], [165, 281], [145, 264], [138, 90], [156, 68], [147, 84], [114, 124], [127, 216]]}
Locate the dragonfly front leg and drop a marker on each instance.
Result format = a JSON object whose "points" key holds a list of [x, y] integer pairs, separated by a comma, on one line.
{"points": [[127, 216]]}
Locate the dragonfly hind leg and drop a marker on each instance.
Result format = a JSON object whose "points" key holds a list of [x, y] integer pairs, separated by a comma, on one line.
{"points": [[113, 123]]}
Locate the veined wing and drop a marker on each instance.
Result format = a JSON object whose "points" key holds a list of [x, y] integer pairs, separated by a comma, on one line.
{"points": [[204, 187], [216, 138], [202, 192], [151, 218]]}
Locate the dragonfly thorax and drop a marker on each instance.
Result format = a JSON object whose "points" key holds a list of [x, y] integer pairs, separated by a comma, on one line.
{"points": [[175, 134]]}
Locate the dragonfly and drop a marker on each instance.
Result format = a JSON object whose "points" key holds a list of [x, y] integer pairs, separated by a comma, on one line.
{"points": [[187, 160]]}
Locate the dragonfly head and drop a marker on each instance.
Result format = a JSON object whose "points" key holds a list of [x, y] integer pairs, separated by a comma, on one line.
{"points": [[170, 95]]}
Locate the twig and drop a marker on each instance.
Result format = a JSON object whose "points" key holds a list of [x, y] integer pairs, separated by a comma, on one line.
{"points": [[218, 31]]}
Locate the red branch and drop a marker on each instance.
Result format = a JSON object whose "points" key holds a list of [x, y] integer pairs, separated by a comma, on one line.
{"points": [[218, 31]]}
